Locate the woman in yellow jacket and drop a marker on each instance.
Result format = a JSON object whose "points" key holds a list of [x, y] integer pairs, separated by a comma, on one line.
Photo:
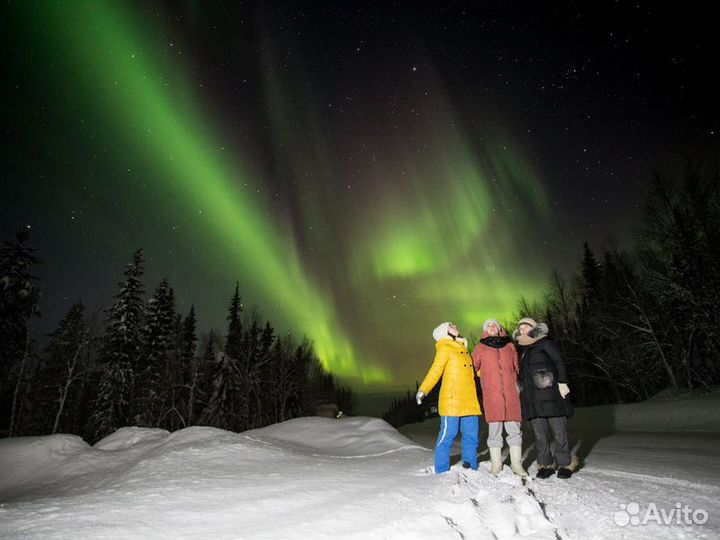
{"points": [[458, 405]]}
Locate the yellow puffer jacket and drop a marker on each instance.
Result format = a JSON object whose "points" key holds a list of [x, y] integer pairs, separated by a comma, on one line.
{"points": [[454, 364]]}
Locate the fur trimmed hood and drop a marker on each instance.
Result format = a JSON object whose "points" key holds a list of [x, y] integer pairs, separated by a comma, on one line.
{"points": [[536, 333]]}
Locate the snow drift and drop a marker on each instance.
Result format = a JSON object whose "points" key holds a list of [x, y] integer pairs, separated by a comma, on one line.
{"points": [[352, 478]]}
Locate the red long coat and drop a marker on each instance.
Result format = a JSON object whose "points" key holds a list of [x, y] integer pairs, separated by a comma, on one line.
{"points": [[498, 369]]}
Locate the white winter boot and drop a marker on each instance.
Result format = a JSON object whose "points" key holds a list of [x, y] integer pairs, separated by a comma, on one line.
{"points": [[495, 460], [516, 461]]}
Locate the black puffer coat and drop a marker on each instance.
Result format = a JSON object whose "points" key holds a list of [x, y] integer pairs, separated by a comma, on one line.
{"points": [[541, 369]]}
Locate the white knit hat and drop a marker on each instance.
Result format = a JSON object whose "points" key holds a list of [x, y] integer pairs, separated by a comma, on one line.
{"points": [[489, 322], [441, 331]]}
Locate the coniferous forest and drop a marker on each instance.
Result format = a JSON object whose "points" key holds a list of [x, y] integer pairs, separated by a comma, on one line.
{"points": [[632, 323], [144, 364], [637, 322]]}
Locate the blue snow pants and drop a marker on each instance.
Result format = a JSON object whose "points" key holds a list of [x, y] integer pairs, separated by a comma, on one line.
{"points": [[449, 427]]}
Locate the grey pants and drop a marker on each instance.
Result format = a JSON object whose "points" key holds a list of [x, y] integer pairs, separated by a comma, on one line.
{"points": [[513, 437], [543, 428]]}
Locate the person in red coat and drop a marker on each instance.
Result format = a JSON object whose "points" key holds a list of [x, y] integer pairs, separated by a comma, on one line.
{"points": [[495, 361]]}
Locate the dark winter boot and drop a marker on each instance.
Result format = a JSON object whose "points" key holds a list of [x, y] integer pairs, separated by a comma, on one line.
{"points": [[544, 471], [567, 471], [466, 465]]}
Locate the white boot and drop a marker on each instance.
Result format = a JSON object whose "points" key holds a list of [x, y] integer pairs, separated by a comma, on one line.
{"points": [[495, 460], [516, 461]]}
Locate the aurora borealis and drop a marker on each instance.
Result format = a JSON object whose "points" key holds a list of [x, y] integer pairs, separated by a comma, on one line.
{"points": [[364, 173]]}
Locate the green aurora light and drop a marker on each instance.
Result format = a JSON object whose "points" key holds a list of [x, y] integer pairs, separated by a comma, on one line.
{"points": [[139, 100], [432, 235]]}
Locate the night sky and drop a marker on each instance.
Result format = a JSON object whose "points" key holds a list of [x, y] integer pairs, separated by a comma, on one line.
{"points": [[364, 170]]}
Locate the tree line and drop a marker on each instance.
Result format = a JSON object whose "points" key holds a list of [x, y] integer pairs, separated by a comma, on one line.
{"points": [[632, 323], [145, 364], [636, 322]]}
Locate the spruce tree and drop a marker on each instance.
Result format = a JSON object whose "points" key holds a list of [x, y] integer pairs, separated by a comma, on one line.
{"points": [[112, 407], [234, 337], [249, 383], [154, 376], [207, 369], [268, 356], [223, 409], [257, 342], [19, 298], [191, 365], [176, 415], [591, 273]]}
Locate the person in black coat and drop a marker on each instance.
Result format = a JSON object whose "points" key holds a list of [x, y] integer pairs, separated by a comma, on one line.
{"points": [[543, 396]]}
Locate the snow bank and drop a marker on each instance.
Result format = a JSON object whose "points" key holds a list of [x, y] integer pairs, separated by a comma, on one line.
{"points": [[345, 437], [309, 478], [32, 466], [351, 478], [127, 437], [26, 461], [681, 413], [35, 466]]}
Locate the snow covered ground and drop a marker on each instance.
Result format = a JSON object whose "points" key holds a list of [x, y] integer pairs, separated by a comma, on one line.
{"points": [[360, 478]]}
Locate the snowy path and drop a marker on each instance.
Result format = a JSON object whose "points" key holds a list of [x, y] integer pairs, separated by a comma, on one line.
{"points": [[643, 468], [627, 468], [620, 468], [352, 478]]}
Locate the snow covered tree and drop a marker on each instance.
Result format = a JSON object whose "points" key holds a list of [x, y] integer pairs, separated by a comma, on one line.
{"points": [[154, 379], [113, 405], [223, 409], [255, 355], [282, 380], [207, 370], [268, 345], [63, 369], [19, 298], [191, 365], [234, 337], [291, 372], [182, 376]]}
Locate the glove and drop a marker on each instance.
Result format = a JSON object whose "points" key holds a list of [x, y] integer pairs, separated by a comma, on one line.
{"points": [[564, 389], [419, 397]]}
